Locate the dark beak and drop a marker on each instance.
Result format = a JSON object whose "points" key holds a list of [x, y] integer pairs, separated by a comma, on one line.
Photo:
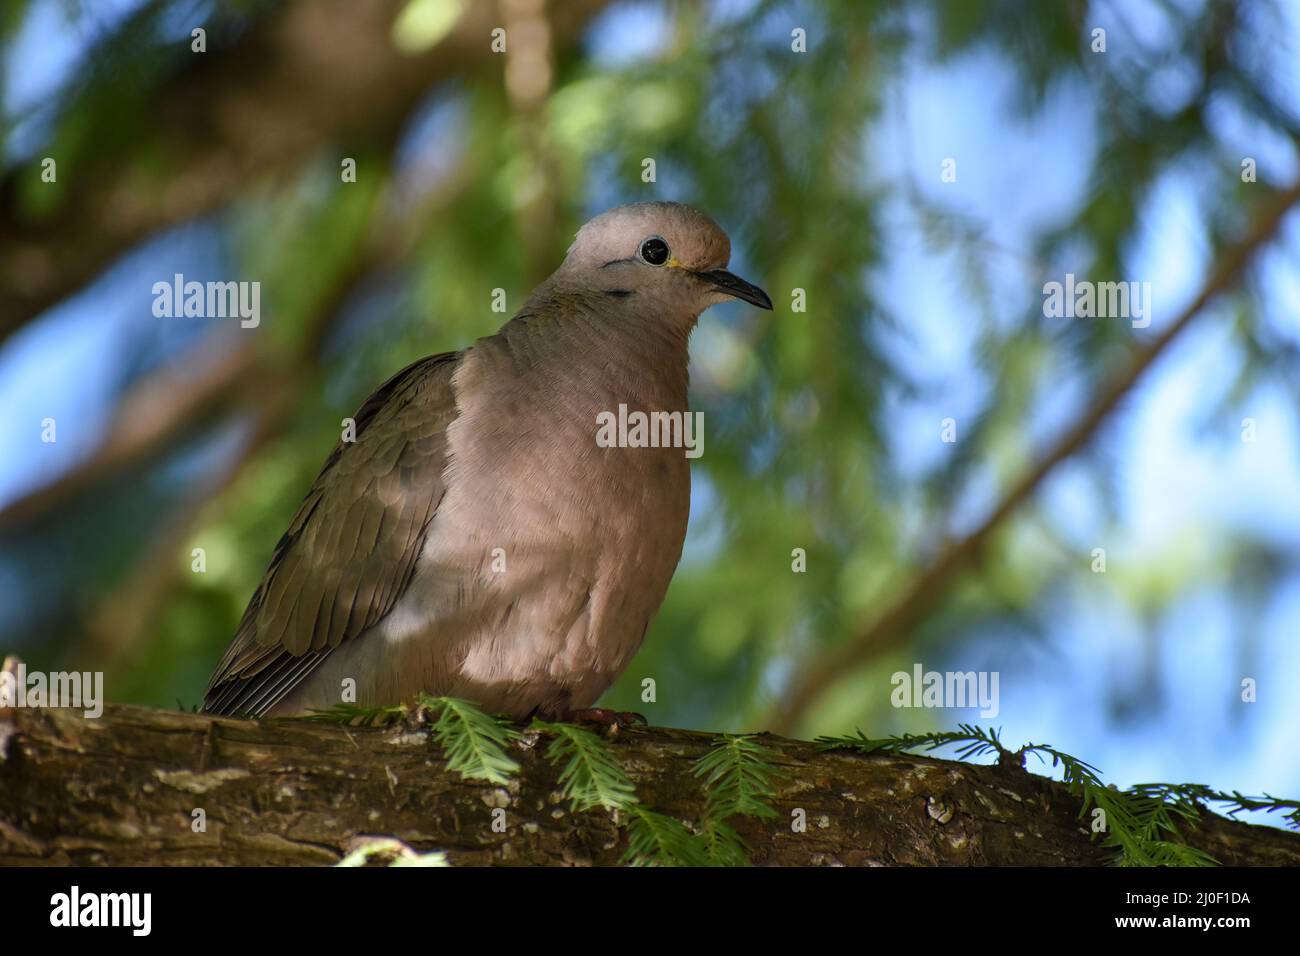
{"points": [[733, 285]]}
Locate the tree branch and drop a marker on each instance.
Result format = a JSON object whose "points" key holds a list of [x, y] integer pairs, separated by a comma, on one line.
{"points": [[124, 789]]}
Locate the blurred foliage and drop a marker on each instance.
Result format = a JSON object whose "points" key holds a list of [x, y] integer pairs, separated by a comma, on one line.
{"points": [[803, 441]]}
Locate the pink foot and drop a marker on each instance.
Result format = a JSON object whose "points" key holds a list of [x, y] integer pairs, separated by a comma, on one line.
{"points": [[610, 720]]}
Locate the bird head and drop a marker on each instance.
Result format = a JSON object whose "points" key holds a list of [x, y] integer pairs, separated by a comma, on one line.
{"points": [[661, 254]]}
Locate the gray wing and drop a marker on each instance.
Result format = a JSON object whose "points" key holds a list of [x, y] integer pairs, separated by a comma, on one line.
{"points": [[351, 548]]}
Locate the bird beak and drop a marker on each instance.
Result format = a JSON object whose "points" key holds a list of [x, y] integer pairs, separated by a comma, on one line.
{"points": [[733, 285]]}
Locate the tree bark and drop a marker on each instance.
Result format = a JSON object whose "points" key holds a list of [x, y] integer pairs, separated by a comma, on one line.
{"points": [[124, 789]]}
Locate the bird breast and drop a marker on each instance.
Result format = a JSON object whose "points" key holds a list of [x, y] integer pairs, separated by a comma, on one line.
{"points": [[549, 555]]}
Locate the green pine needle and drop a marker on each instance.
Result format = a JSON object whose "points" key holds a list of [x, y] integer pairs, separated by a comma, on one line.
{"points": [[473, 743], [1137, 823], [737, 780], [1192, 796], [591, 777], [738, 775], [351, 715], [654, 839], [975, 742], [723, 846], [1142, 822]]}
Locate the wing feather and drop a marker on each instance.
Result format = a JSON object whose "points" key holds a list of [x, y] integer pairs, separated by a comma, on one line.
{"points": [[352, 546]]}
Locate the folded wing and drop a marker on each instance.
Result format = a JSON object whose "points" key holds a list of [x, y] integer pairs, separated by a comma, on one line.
{"points": [[352, 546]]}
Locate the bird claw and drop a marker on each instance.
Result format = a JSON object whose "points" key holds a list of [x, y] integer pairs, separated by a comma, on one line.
{"points": [[609, 720]]}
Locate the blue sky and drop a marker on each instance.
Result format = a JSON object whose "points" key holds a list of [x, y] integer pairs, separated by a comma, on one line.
{"points": [[1016, 179]]}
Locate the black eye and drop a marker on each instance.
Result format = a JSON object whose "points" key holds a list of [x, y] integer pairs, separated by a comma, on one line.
{"points": [[654, 251]]}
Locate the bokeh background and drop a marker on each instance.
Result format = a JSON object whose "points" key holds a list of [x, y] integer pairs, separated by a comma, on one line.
{"points": [[824, 427]]}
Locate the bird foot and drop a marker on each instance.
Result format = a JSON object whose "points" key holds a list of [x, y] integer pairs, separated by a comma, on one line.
{"points": [[610, 721]]}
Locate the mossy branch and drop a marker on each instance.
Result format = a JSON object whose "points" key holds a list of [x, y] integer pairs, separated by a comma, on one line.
{"points": [[144, 786]]}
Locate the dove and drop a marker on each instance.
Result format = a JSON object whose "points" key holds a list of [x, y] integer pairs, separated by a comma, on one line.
{"points": [[475, 539]]}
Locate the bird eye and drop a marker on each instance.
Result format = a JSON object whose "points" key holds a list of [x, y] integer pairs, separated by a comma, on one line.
{"points": [[654, 251]]}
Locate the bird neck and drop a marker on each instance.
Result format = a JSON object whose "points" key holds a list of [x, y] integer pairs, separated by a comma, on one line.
{"points": [[604, 345]]}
